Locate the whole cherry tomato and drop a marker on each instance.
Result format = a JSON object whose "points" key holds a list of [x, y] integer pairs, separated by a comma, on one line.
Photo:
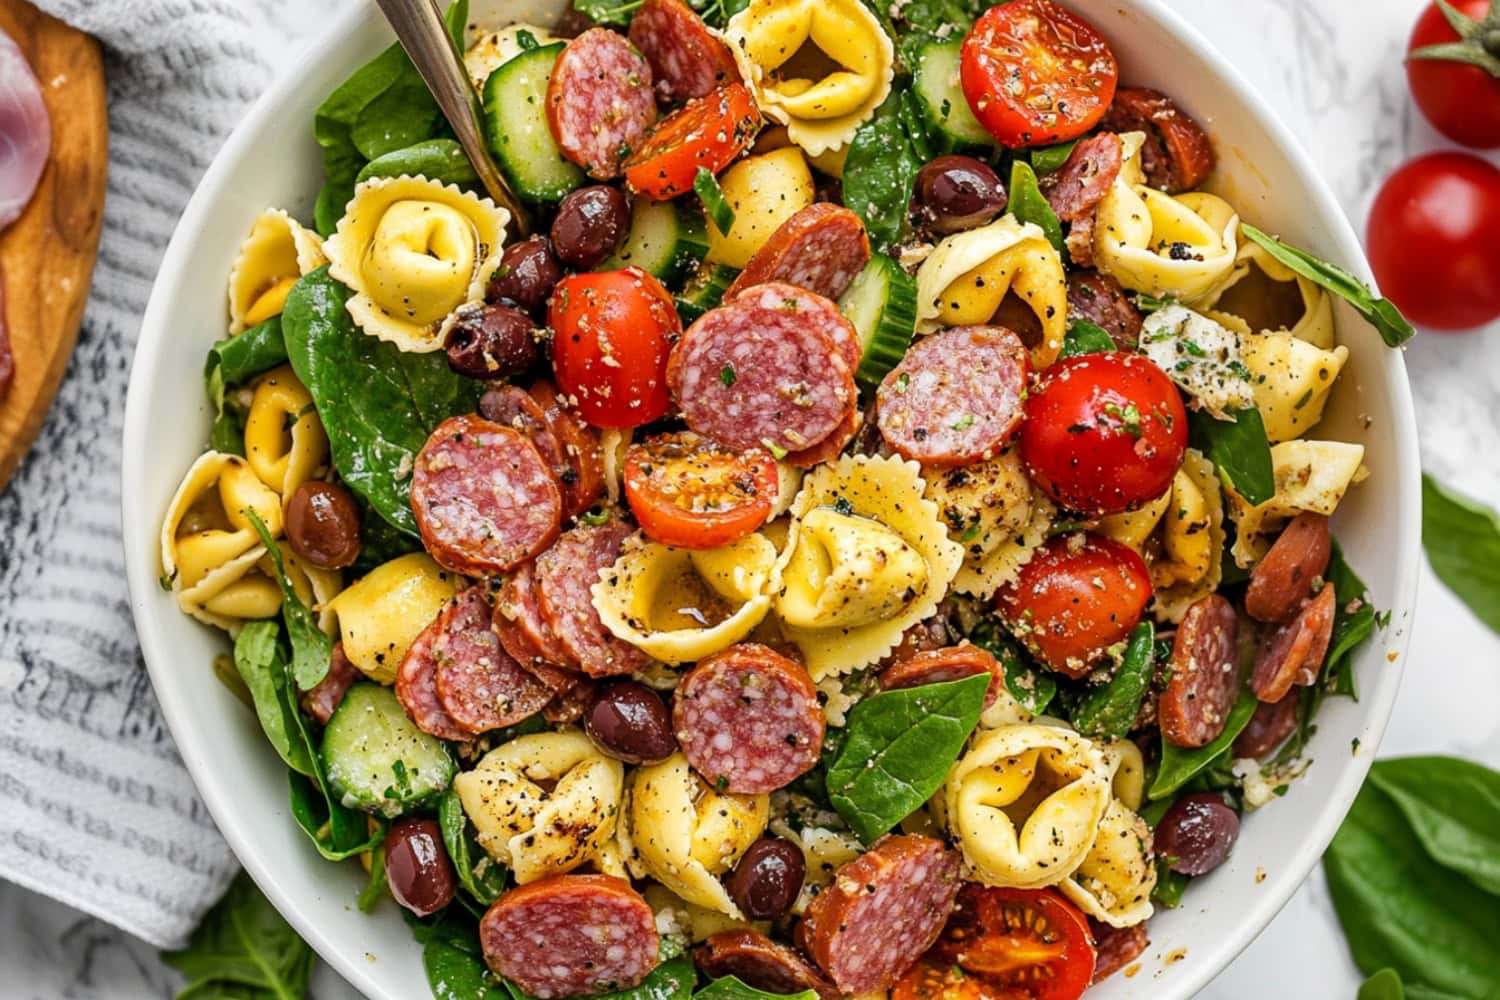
{"points": [[1434, 240], [1458, 87], [612, 332]]}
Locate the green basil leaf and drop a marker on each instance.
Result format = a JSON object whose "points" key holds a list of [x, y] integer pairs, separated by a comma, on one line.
{"points": [[312, 649], [1170, 886], [236, 359], [1240, 451], [377, 404], [1178, 765], [879, 173], [1049, 159], [480, 875], [375, 885], [441, 160], [1108, 712], [227, 434], [613, 13], [731, 988], [900, 746], [1453, 807], [337, 831], [258, 659], [1399, 910], [1384, 985], [243, 949], [1084, 337], [1028, 205], [1380, 313], [706, 186], [1462, 539], [1351, 628], [1034, 689]]}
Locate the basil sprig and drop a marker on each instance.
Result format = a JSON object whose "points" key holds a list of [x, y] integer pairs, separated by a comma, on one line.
{"points": [[243, 948]]}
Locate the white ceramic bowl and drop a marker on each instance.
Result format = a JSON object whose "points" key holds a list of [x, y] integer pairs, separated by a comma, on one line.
{"points": [[272, 160]]}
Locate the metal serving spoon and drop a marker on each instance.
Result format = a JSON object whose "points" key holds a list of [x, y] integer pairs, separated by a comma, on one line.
{"points": [[420, 29]]}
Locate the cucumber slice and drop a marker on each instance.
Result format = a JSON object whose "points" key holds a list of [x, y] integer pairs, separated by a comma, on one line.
{"points": [[666, 239], [516, 129], [954, 127], [881, 302], [377, 759], [704, 290]]}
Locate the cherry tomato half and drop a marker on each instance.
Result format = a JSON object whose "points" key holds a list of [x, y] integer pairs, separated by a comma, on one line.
{"points": [[1434, 240], [1005, 944], [691, 493], [1104, 433], [709, 132], [1077, 596], [1460, 99], [1036, 74], [612, 332]]}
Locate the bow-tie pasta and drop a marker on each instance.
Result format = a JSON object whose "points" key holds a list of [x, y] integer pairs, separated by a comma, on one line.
{"points": [[383, 611], [284, 439], [991, 509], [412, 251], [277, 252], [543, 804], [819, 67], [1310, 476]]}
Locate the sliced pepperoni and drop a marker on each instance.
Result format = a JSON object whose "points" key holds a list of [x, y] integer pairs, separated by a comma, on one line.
{"points": [[599, 101], [688, 59], [1268, 728], [1080, 244], [320, 700], [1291, 654], [952, 663], [748, 719], [565, 575], [571, 935], [768, 369], [485, 500], [479, 685], [926, 635], [757, 961], [1286, 576], [956, 398], [1205, 680], [568, 705], [416, 687], [1099, 299], [514, 407], [830, 447], [1116, 947], [520, 624], [881, 912], [583, 480], [1178, 155], [1076, 188], [821, 249]]}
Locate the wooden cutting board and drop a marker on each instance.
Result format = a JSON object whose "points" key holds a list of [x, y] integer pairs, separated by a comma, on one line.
{"points": [[47, 255]]}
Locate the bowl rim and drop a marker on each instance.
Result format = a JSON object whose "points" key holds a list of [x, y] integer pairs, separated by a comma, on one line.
{"points": [[142, 580]]}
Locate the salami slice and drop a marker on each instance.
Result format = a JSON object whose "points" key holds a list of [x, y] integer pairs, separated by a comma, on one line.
{"points": [[1099, 299], [881, 912], [599, 101], [952, 663], [416, 686], [830, 447], [565, 575], [485, 500], [1205, 681], [571, 935], [956, 398], [1285, 577], [533, 637], [767, 369], [687, 58], [583, 477], [1116, 947], [1076, 188], [1178, 155], [1268, 728], [479, 685], [757, 961], [926, 635], [319, 701], [821, 249], [1292, 654], [748, 719]]}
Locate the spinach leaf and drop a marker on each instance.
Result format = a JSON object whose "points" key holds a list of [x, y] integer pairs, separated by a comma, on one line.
{"points": [[312, 650], [900, 746], [375, 886], [1384, 985], [379, 540], [262, 666], [1239, 449], [442, 160], [1462, 540], [879, 172], [1028, 205], [1178, 765], [611, 13], [337, 831], [1399, 910], [1108, 712], [1382, 314], [478, 874], [1350, 628], [1084, 337], [248, 353], [227, 433], [454, 964], [926, 21], [245, 950], [1032, 688], [706, 186], [1453, 808], [1049, 159], [378, 404], [1170, 886], [731, 988], [673, 979]]}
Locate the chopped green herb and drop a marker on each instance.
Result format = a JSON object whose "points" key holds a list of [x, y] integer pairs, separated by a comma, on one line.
{"points": [[727, 375], [963, 423], [776, 450]]}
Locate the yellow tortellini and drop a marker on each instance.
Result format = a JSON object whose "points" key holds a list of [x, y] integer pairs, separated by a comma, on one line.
{"points": [[684, 833], [412, 251], [1127, 764], [284, 439], [1291, 379], [1253, 294], [866, 558], [277, 252], [824, 852], [764, 191], [544, 804], [1115, 881], [1190, 562], [819, 67], [382, 612], [1025, 803], [969, 274], [688, 923], [1180, 247], [991, 509], [1310, 476], [490, 51], [1134, 528]]}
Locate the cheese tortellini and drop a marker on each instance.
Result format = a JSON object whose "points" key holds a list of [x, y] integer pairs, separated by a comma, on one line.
{"points": [[764, 190], [1310, 476], [1190, 563], [382, 612], [1253, 293], [866, 558], [284, 439], [277, 252], [544, 804], [819, 67], [991, 509], [1291, 379], [1115, 880], [412, 251], [969, 274]]}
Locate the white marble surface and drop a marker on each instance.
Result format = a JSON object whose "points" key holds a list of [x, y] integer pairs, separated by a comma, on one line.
{"points": [[1333, 71]]}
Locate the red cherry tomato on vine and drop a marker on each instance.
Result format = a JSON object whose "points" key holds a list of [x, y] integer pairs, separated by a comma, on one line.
{"points": [[612, 332], [1460, 99], [1104, 433], [1434, 240]]}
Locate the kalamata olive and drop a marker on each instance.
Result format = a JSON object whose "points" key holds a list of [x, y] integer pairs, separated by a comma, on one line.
{"points": [[417, 867], [589, 225], [630, 722], [526, 274], [954, 193], [1197, 833], [322, 524], [768, 878], [492, 341]]}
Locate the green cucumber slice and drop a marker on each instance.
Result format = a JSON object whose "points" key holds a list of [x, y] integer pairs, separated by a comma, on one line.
{"points": [[704, 290], [666, 239], [377, 759], [881, 302], [516, 129], [954, 129]]}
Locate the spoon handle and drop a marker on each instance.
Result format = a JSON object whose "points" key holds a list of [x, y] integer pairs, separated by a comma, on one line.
{"points": [[420, 29]]}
